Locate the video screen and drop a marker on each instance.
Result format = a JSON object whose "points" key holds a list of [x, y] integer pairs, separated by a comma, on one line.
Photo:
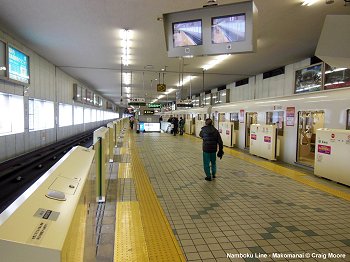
{"points": [[187, 33], [18, 65], [228, 29]]}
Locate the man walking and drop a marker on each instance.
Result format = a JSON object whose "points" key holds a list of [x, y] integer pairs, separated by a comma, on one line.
{"points": [[211, 139]]}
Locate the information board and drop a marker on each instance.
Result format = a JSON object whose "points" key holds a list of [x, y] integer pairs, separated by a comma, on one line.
{"points": [[18, 65]]}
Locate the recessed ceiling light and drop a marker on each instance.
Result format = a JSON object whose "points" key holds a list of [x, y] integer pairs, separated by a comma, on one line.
{"points": [[149, 67]]}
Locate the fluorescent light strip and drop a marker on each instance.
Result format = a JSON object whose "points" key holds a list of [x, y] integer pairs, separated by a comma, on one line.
{"points": [[335, 70], [185, 81], [170, 90], [217, 60], [126, 78], [126, 46], [309, 2]]}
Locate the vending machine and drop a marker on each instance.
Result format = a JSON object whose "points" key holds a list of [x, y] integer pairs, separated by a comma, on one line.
{"points": [[332, 153]]}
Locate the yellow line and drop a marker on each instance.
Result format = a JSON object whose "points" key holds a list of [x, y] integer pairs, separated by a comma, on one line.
{"points": [[124, 170], [161, 242], [293, 174], [142, 224], [124, 150], [130, 242]]}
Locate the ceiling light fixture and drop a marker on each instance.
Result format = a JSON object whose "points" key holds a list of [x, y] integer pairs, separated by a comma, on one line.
{"points": [[309, 2], [185, 80], [170, 90], [127, 78], [217, 60], [126, 46]]}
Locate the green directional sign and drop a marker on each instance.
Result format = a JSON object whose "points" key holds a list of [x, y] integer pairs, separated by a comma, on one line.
{"points": [[154, 105]]}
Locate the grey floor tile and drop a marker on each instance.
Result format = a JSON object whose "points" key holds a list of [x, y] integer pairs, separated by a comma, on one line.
{"points": [[246, 206]]}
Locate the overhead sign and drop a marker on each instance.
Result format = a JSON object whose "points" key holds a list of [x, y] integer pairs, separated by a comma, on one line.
{"points": [[148, 112], [161, 87], [137, 102], [184, 103], [154, 105]]}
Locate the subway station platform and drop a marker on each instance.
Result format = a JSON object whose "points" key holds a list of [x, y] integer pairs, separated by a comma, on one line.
{"points": [[160, 208]]}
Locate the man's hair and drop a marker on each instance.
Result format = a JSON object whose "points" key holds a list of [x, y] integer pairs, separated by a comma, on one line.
{"points": [[208, 122]]}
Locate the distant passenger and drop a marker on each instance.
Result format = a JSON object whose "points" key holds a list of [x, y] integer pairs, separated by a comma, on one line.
{"points": [[211, 139], [131, 121], [160, 119], [181, 126], [175, 124]]}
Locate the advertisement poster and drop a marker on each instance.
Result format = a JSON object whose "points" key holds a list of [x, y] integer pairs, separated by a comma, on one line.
{"points": [[308, 79], [253, 136], [18, 65], [241, 116], [290, 116]]}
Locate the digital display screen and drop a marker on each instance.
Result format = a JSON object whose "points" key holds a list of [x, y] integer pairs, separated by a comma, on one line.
{"points": [[228, 29], [149, 127], [18, 65], [308, 79], [187, 33]]}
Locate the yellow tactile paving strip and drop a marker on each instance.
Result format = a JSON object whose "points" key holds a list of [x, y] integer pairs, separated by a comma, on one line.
{"points": [[130, 244], [124, 170], [124, 150], [293, 174], [159, 239]]}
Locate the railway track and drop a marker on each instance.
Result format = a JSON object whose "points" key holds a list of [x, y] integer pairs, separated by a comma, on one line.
{"points": [[18, 174]]}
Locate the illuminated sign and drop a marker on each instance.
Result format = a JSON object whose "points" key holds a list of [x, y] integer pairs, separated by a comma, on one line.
{"points": [[18, 65], [137, 102], [154, 105], [148, 112], [184, 103]]}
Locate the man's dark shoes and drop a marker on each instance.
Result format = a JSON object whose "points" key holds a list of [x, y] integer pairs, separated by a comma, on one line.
{"points": [[208, 178], [214, 176]]}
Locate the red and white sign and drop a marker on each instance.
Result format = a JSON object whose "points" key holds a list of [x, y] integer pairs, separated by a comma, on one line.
{"points": [[290, 116], [267, 139]]}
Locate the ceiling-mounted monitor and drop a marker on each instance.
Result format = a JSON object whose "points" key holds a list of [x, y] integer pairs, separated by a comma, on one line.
{"points": [[18, 65], [228, 29], [214, 30], [187, 33]]}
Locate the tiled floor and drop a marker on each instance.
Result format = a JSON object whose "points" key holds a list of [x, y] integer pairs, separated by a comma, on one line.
{"points": [[246, 210]]}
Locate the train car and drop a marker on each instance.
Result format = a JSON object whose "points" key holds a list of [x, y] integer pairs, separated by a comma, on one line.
{"points": [[297, 117]]}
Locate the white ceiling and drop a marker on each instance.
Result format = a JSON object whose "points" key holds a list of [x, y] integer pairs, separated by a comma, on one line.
{"points": [[83, 38]]}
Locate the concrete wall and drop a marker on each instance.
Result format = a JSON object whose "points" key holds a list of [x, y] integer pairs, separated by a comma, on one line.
{"points": [[47, 82]]}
